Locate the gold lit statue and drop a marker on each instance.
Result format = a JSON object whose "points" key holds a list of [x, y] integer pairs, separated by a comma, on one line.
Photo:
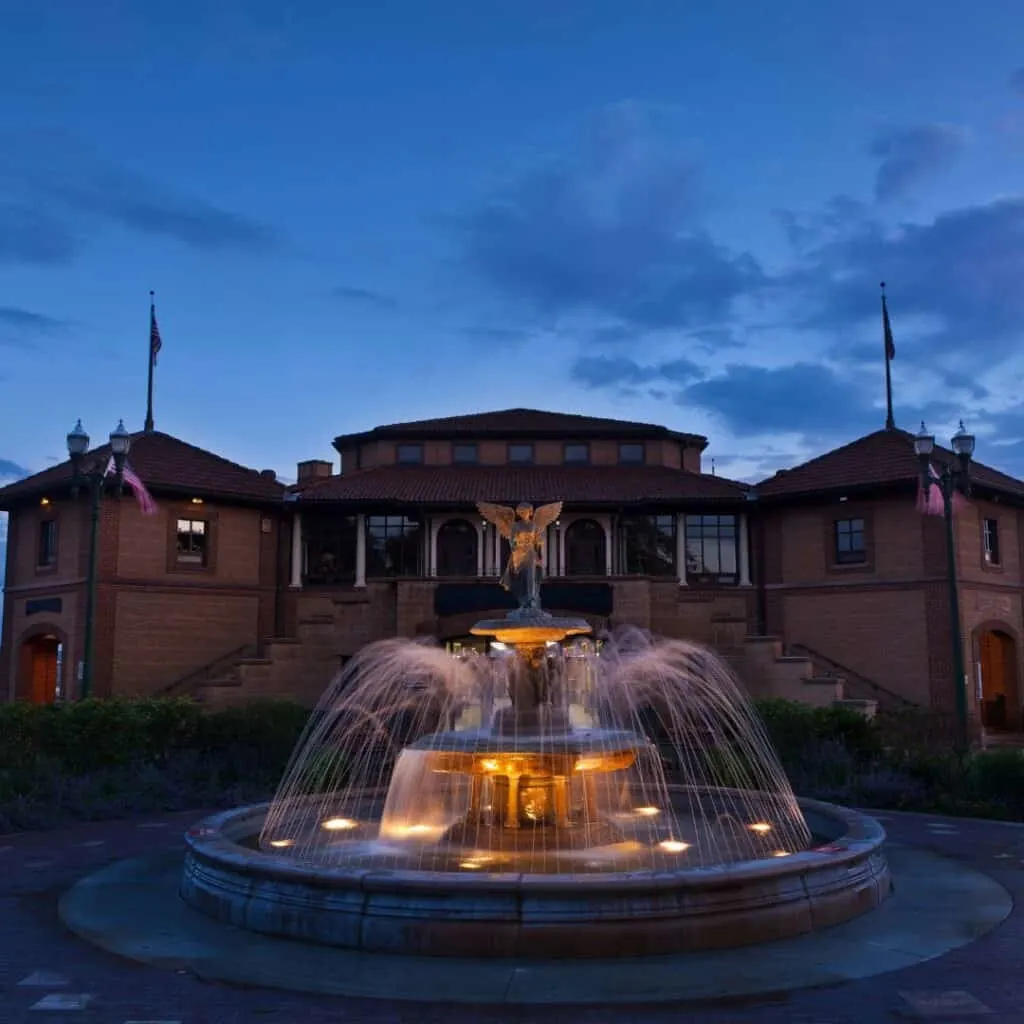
{"points": [[524, 528]]}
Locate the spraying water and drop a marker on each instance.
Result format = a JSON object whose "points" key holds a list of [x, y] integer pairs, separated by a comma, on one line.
{"points": [[624, 755]]}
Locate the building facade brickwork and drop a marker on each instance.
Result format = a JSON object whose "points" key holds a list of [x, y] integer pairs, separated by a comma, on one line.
{"points": [[240, 587]]}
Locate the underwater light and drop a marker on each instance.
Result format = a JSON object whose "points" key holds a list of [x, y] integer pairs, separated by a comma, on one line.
{"points": [[673, 846], [339, 824]]}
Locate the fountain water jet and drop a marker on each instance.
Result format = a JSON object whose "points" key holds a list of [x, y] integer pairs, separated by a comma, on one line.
{"points": [[490, 805], [410, 762]]}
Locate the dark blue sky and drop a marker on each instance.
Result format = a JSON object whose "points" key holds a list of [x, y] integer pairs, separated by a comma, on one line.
{"points": [[357, 213]]}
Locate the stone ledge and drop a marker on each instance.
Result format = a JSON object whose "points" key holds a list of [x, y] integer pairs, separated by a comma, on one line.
{"points": [[508, 915]]}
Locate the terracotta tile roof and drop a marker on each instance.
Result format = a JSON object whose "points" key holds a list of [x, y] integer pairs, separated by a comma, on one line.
{"points": [[879, 459], [164, 463], [464, 485], [521, 423]]}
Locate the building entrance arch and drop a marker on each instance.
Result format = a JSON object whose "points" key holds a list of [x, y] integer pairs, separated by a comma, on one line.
{"points": [[997, 678], [41, 667]]}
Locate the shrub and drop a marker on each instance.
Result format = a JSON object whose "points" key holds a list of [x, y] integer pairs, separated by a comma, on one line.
{"points": [[107, 758], [798, 730]]}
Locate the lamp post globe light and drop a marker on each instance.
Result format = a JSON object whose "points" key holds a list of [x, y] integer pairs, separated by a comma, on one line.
{"points": [[94, 477], [951, 479]]}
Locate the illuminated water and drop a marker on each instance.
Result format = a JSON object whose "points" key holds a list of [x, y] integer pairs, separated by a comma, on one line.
{"points": [[637, 754], [640, 755]]}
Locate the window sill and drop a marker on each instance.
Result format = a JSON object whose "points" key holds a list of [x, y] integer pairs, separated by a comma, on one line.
{"points": [[189, 567], [864, 566], [46, 570]]}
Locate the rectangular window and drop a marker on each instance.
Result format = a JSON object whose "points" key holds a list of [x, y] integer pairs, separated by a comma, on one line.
{"points": [[850, 547], [465, 455], [577, 454], [632, 454], [193, 539], [46, 555], [990, 541], [520, 454], [648, 545], [410, 454], [712, 545], [329, 549], [394, 545]]}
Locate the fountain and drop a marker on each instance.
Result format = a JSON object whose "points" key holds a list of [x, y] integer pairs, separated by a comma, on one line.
{"points": [[555, 796]]}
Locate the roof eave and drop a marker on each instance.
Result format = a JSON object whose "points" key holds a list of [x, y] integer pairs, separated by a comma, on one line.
{"points": [[62, 488], [738, 500], [630, 431]]}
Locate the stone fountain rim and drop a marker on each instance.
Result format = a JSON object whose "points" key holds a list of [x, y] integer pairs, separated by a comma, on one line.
{"points": [[207, 841]]}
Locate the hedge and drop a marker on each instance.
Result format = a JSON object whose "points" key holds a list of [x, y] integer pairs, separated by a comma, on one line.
{"points": [[111, 758]]}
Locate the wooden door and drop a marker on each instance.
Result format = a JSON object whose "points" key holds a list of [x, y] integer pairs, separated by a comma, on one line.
{"points": [[43, 669], [994, 655]]}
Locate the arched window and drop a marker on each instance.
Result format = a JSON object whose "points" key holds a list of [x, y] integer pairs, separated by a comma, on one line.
{"points": [[456, 548], [584, 548]]}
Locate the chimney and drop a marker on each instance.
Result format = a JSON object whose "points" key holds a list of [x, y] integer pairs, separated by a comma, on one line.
{"points": [[314, 469]]}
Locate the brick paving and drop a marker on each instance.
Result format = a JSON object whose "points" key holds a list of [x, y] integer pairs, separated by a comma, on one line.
{"points": [[47, 974]]}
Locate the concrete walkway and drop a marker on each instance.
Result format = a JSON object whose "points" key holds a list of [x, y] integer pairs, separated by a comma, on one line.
{"points": [[46, 972]]}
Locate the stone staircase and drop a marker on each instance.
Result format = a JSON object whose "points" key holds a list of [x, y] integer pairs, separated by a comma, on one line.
{"points": [[767, 671], [293, 668], [301, 667]]}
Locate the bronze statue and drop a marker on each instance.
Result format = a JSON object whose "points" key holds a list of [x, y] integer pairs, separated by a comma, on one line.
{"points": [[524, 528]]}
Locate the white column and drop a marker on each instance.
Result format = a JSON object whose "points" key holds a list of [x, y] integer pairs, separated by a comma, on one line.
{"points": [[360, 551], [296, 580], [744, 552], [606, 523], [561, 549], [496, 549], [681, 548], [481, 561], [433, 526]]}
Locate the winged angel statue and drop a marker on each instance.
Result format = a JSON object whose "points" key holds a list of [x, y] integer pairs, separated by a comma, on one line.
{"points": [[524, 528]]}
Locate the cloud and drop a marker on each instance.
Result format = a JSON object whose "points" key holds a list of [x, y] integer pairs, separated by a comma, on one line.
{"points": [[908, 156], [26, 320], [613, 232], [10, 471], [21, 328], [801, 398], [133, 202], [959, 273], [57, 183], [622, 372], [365, 297], [29, 235]]}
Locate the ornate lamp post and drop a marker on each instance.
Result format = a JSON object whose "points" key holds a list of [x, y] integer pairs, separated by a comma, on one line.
{"points": [[950, 480], [95, 478]]}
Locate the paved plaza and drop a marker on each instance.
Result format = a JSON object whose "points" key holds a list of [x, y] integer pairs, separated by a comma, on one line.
{"points": [[46, 973]]}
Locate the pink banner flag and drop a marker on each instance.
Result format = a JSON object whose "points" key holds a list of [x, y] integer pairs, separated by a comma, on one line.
{"points": [[929, 501], [136, 486]]}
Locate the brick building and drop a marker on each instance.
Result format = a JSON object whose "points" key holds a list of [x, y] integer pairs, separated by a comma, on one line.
{"points": [[242, 587]]}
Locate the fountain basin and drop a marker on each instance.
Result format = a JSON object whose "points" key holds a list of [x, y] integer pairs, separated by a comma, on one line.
{"points": [[484, 914]]}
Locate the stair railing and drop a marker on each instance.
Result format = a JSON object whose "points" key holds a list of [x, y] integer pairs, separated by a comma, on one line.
{"points": [[854, 677], [188, 684]]}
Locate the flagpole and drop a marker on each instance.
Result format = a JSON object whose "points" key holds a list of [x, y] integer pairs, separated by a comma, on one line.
{"points": [[890, 419], [152, 357]]}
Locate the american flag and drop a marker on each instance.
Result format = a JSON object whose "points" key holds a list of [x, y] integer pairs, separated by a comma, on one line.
{"points": [[155, 344], [929, 501], [890, 345], [136, 486]]}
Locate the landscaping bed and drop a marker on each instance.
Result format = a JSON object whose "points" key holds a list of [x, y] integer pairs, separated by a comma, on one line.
{"points": [[102, 759]]}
